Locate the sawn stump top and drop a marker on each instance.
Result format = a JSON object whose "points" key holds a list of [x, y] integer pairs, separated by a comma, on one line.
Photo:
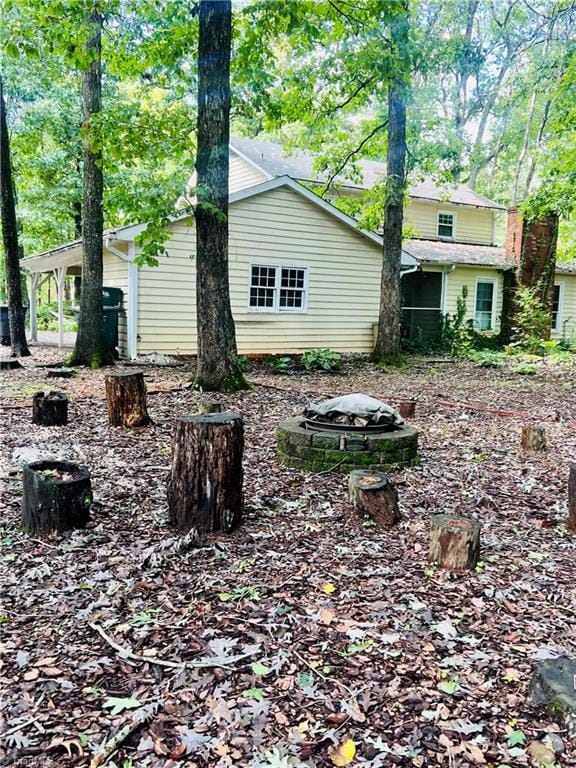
{"points": [[226, 417]]}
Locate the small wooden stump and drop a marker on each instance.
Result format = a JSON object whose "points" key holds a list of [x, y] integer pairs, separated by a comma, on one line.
{"points": [[533, 438], [209, 406], [373, 494], [126, 399], [9, 364], [57, 496], [407, 409], [205, 485], [571, 519], [454, 542], [61, 373], [50, 410]]}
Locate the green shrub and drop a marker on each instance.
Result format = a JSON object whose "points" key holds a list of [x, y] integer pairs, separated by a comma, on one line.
{"points": [[456, 333], [280, 364], [321, 360], [525, 370], [243, 364], [487, 359]]}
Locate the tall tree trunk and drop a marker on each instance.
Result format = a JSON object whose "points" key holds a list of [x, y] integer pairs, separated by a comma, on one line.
{"points": [[462, 76], [218, 367], [388, 339], [91, 348], [10, 240]]}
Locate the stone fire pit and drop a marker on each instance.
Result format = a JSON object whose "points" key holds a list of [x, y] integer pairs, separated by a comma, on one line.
{"points": [[346, 433]]}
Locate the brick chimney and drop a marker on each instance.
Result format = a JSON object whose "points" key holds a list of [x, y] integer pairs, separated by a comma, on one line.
{"points": [[531, 245]]}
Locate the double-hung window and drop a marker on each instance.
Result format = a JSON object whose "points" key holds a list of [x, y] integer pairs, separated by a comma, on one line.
{"points": [[445, 224], [484, 305], [278, 289], [557, 297]]}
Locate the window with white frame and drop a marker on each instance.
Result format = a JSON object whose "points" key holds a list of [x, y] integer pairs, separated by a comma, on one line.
{"points": [[278, 289], [557, 297], [445, 224], [484, 305]]}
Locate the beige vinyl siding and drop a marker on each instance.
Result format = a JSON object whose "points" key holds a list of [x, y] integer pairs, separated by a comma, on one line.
{"points": [[567, 325], [468, 276], [116, 276], [243, 174], [472, 225], [276, 228]]}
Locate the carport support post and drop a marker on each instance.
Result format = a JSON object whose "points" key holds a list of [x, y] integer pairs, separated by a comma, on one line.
{"points": [[60, 274], [33, 306]]}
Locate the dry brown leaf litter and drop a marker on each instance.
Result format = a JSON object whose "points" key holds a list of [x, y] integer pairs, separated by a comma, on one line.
{"points": [[266, 666]]}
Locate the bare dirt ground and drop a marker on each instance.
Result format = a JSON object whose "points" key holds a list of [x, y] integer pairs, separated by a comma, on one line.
{"points": [[307, 629]]}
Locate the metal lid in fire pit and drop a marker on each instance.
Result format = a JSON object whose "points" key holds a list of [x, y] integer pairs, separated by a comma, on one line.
{"points": [[355, 412]]}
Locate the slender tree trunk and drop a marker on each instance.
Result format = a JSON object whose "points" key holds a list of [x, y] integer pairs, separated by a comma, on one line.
{"points": [[91, 348], [218, 367], [462, 76], [388, 339], [10, 239]]}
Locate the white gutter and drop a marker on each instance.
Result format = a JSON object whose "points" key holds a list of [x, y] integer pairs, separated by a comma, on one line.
{"points": [[132, 320]]}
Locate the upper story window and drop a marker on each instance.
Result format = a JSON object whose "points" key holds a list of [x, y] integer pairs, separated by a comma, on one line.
{"points": [[446, 222], [557, 299], [278, 289], [485, 304]]}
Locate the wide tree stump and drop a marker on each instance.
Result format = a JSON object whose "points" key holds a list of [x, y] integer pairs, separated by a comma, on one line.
{"points": [[571, 519], [373, 494], [126, 399], [533, 438], [454, 542], [57, 496], [205, 485], [407, 409], [50, 410], [552, 685]]}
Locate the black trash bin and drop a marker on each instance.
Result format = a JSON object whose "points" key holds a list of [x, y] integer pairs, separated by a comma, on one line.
{"points": [[5, 325], [111, 304]]}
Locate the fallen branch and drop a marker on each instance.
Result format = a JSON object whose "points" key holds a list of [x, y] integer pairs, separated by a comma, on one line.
{"points": [[125, 653], [103, 755], [17, 728]]}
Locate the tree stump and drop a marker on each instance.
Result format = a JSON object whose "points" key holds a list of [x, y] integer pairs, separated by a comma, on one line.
{"points": [[571, 519], [50, 410], [8, 364], [205, 485], [373, 494], [61, 373], [454, 542], [552, 684], [533, 438], [209, 406], [407, 409], [57, 496], [126, 399]]}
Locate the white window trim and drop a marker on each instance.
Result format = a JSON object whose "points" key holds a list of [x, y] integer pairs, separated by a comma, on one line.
{"points": [[560, 313], [454, 223], [276, 309], [494, 302]]}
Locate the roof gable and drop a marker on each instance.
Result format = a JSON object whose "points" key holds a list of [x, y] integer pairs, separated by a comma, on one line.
{"points": [[273, 160]]}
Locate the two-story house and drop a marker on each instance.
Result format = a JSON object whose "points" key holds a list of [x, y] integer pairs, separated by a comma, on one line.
{"points": [[302, 273]]}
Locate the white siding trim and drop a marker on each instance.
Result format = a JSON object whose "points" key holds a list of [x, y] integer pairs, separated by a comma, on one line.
{"points": [[132, 303]]}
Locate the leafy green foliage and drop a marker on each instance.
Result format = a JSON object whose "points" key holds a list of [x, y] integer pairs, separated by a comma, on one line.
{"points": [[323, 359], [280, 364], [531, 321]]}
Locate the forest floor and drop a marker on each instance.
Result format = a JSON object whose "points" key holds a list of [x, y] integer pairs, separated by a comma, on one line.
{"points": [[306, 629]]}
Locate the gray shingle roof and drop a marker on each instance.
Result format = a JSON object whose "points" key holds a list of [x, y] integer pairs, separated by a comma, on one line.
{"points": [[440, 252], [276, 161]]}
